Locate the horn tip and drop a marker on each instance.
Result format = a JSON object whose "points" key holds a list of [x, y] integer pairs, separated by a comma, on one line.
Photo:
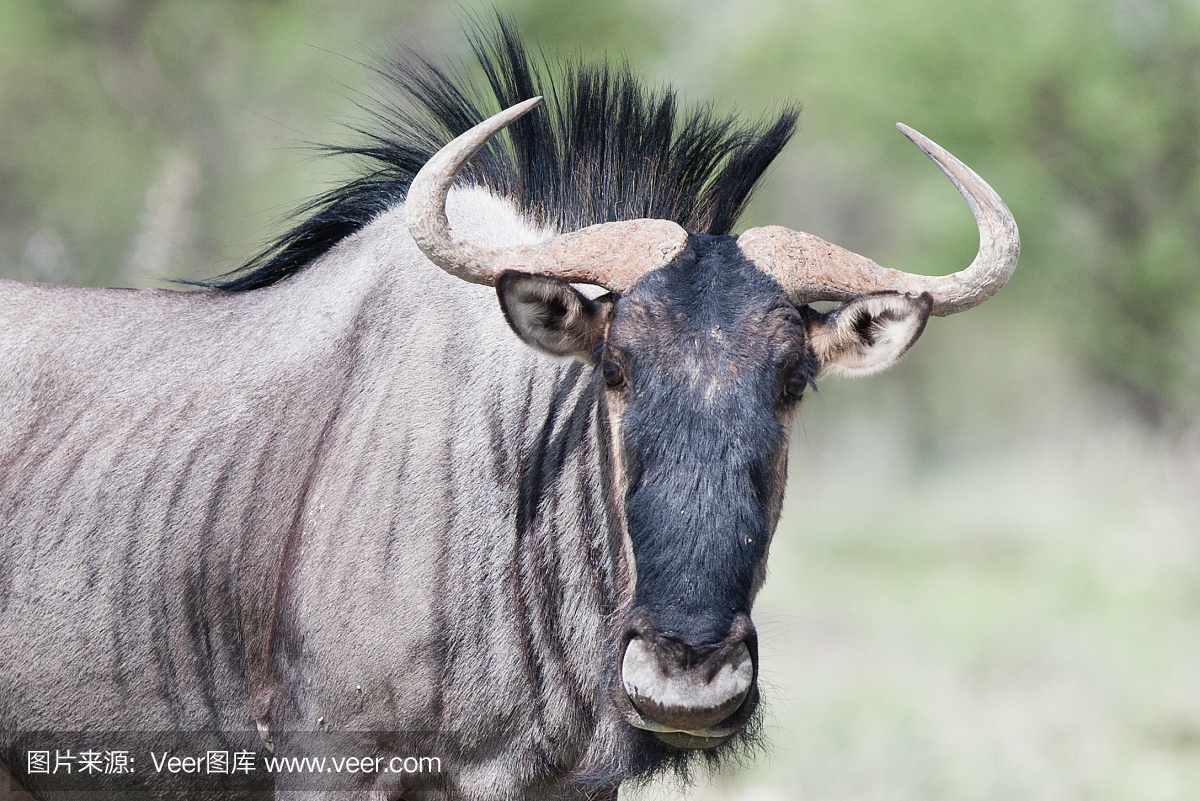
{"points": [[516, 111], [913, 135], [925, 145]]}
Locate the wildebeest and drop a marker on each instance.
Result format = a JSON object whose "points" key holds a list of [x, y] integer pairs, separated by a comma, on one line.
{"points": [[333, 492]]}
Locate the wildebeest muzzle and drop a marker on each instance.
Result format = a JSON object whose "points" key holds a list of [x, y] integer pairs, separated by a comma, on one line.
{"points": [[689, 697]]}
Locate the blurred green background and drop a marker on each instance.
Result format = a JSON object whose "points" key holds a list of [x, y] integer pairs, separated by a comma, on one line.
{"points": [[987, 581]]}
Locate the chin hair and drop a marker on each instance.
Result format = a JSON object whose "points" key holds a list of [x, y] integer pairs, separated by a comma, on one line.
{"points": [[682, 765], [647, 759]]}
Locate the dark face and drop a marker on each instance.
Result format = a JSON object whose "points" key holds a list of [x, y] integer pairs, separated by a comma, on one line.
{"points": [[701, 368]]}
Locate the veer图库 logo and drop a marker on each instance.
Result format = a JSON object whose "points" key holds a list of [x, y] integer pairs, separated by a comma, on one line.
{"points": [[233, 762]]}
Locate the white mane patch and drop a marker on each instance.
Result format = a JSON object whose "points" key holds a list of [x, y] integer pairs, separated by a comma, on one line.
{"points": [[485, 218], [479, 215]]}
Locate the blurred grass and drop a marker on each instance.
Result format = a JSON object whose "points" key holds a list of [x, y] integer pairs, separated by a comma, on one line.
{"points": [[985, 583]]}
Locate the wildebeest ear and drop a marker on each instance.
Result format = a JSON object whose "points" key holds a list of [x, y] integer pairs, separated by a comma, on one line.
{"points": [[867, 334], [551, 315]]}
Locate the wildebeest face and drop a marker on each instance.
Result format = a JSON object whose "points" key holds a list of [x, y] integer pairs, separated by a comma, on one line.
{"points": [[702, 367]]}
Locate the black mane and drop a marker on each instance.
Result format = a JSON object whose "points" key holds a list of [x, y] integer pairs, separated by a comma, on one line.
{"points": [[601, 148]]}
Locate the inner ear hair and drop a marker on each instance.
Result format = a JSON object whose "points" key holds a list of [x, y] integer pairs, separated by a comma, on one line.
{"points": [[867, 334], [551, 315]]}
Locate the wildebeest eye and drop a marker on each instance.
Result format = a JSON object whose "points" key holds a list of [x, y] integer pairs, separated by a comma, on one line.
{"points": [[794, 388], [613, 375]]}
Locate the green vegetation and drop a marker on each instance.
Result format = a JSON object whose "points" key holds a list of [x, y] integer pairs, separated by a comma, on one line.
{"points": [[987, 583]]}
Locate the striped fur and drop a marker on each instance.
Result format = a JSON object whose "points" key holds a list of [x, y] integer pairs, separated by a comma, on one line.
{"points": [[285, 495]]}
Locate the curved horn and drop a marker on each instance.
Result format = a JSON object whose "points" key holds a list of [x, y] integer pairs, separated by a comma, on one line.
{"points": [[614, 255], [809, 268]]}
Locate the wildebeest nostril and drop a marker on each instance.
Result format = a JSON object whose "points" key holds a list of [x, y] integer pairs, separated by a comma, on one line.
{"points": [[686, 697]]}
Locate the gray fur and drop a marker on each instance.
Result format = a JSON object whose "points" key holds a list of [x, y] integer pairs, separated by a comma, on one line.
{"points": [[300, 504]]}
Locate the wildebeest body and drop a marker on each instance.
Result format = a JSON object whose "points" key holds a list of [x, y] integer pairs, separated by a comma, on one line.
{"points": [[167, 482]]}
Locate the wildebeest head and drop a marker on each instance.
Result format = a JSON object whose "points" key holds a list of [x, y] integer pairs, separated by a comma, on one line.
{"points": [[704, 347]]}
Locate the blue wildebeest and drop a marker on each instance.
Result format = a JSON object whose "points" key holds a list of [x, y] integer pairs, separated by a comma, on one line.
{"points": [[333, 492]]}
